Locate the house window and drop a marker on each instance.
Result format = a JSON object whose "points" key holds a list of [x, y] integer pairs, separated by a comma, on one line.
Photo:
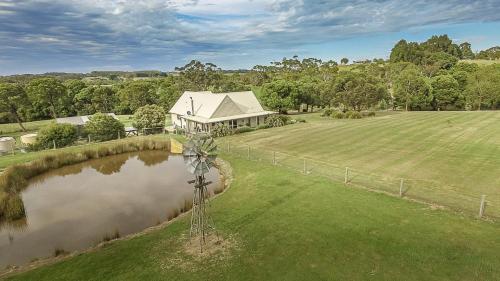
{"points": [[233, 124]]}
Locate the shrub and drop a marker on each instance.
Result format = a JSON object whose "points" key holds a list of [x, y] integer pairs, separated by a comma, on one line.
{"points": [[61, 134], [297, 120], [368, 114], [327, 112], [180, 131], [220, 130], [244, 129], [277, 120], [102, 127], [12, 207], [286, 119], [353, 115], [149, 116], [338, 115], [263, 126]]}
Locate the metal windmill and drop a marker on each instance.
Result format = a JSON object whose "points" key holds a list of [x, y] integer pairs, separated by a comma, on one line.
{"points": [[199, 155]]}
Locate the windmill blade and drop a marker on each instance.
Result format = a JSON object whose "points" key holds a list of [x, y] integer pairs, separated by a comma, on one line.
{"points": [[208, 144], [199, 154]]}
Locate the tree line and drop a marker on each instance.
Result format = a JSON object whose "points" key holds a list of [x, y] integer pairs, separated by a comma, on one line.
{"points": [[417, 76]]}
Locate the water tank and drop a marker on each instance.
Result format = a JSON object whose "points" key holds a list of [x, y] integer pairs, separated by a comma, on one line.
{"points": [[28, 139], [7, 144]]}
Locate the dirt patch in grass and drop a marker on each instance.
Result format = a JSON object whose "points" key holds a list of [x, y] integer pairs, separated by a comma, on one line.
{"points": [[216, 250], [214, 245]]}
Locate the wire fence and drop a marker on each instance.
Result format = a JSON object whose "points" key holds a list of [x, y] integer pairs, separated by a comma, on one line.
{"points": [[456, 198]]}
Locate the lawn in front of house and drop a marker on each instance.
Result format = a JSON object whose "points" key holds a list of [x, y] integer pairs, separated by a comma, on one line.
{"points": [[281, 225]]}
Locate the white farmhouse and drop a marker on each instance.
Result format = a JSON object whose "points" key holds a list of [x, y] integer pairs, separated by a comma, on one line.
{"points": [[201, 111]]}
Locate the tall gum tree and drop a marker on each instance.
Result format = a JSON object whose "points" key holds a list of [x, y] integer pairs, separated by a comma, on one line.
{"points": [[47, 92], [12, 99]]}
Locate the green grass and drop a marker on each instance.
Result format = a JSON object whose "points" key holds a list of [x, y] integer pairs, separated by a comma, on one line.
{"points": [[286, 226], [450, 157], [8, 129]]}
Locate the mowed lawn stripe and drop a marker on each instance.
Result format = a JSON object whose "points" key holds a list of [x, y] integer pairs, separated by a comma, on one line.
{"points": [[452, 150], [425, 139]]}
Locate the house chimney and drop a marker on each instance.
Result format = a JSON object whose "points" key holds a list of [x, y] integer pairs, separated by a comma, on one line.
{"points": [[192, 106]]}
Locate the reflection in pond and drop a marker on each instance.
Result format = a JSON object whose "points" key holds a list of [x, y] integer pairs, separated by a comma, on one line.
{"points": [[151, 160], [111, 166], [77, 206]]}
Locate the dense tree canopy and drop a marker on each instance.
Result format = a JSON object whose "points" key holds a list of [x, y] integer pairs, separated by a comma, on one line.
{"points": [[13, 100], [47, 96], [358, 91], [483, 88], [411, 89], [446, 92], [136, 94], [280, 95]]}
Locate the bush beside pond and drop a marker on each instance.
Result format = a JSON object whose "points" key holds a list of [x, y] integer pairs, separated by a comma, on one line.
{"points": [[149, 117], [103, 127], [60, 134]]}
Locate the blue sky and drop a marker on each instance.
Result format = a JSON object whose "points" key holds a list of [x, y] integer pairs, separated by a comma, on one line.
{"points": [[38, 36]]}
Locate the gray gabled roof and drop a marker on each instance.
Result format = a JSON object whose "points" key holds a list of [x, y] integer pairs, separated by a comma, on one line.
{"points": [[79, 120]]}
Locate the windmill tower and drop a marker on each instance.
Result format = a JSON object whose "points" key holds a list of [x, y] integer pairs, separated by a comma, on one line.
{"points": [[199, 156]]}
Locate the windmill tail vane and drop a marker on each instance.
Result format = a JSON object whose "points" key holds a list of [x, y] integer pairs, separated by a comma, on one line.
{"points": [[199, 155]]}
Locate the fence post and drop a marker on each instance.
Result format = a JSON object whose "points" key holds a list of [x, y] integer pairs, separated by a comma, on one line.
{"points": [[54, 142], [401, 185], [481, 207], [274, 158], [248, 152], [346, 176], [305, 167]]}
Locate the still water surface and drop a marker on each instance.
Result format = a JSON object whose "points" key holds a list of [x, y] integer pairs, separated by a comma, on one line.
{"points": [[74, 207]]}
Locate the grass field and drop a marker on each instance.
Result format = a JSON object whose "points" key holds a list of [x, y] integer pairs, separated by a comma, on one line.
{"points": [[447, 156], [285, 226], [8, 129], [282, 225]]}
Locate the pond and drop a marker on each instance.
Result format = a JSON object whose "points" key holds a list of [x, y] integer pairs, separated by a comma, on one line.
{"points": [[79, 206]]}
